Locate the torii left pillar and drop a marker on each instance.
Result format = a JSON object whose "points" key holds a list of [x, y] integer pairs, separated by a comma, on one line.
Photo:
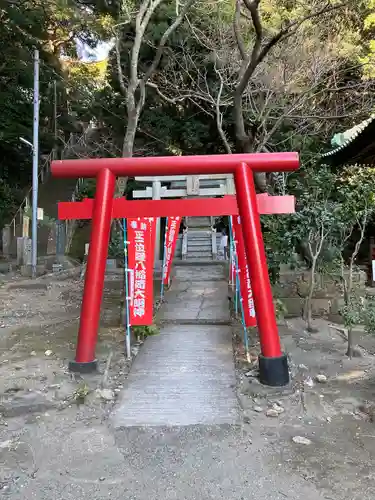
{"points": [[273, 365]]}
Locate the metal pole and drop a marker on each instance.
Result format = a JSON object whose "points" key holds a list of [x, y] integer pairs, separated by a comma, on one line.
{"points": [[34, 241], [127, 293], [55, 120]]}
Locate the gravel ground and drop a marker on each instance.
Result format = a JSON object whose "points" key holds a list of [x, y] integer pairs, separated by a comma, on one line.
{"points": [[321, 426], [313, 440]]}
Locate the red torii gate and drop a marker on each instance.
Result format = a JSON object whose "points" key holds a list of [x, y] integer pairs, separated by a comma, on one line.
{"points": [[273, 365]]}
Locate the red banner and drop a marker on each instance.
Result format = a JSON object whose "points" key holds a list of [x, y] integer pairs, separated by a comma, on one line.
{"points": [[141, 246], [244, 276], [152, 226], [171, 236]]}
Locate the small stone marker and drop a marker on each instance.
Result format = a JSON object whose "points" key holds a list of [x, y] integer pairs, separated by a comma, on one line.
{"points": [[322, 379], [271, 412], [27, 252], [278, 408], [301, 440], [309, 382], [105, 394]]}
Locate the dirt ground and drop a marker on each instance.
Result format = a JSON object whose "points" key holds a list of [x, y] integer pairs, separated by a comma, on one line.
{"points": [[39, 323], [333, 416], [330, 403]]}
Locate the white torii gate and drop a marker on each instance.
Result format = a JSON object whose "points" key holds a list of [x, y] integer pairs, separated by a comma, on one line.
{"points": [[186, 185]]}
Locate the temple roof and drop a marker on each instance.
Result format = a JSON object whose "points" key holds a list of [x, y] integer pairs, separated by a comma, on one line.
{"points": [[355, 146]]}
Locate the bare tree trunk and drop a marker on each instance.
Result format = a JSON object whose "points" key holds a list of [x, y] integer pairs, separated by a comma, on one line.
{"points": [[134, 90], [308, 303], [129, 139], [348, 281], [245, 134], [127, 152], [350, 350]]}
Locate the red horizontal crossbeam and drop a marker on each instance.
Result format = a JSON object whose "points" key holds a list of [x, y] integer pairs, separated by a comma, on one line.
{"points": [[193, 207], [176, 165]]}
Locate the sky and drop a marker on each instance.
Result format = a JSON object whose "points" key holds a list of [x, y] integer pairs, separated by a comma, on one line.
{"points": [[99, 53]]}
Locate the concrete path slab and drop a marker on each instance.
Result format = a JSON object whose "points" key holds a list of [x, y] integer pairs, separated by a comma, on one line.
{"points": [[205, 301], [200, 271], [185, 375]]}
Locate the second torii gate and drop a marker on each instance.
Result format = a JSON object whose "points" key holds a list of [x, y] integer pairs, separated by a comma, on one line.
{"points": [[273, 365]]}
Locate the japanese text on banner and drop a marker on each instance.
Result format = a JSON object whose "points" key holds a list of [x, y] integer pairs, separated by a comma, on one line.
{"points": [[171, 236], [244, 275], [140, 263]]}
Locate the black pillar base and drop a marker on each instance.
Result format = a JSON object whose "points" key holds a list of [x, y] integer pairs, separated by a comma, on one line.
{"points": [[274, 371], [90, 367]]}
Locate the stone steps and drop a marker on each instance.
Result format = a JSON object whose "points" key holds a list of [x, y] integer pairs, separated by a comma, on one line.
{"points": [[193, 222]]}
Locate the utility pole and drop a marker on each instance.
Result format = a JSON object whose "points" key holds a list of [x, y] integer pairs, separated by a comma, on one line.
{"points": [[34, 224], [55, 120]]}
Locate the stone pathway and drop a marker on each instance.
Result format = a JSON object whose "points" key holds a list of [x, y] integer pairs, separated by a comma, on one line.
{"points": [[185, 375]]}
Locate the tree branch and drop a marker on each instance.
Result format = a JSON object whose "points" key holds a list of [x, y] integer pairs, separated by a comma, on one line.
{"points": [[236, 29], [164, 39], [219, 116], [142, 19], [120, 74], [169, 100], [258, 53]]}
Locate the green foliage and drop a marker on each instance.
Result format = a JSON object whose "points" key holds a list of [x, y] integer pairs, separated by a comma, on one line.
{"points": [[367, 58], [52, 26], [143, 332], [46, 221], [316, 75], [280, 309], [354, 313], [87, 189], [7, 203], [81, 393], [116, 245], [314, 222], [370, 315], [280, 242]]}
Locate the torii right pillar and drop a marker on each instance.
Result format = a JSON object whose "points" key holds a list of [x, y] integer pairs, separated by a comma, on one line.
{"points": [[273, 363]]}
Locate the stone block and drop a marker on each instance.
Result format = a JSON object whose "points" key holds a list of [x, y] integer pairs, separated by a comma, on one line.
{"points": [[52, 241], [335, 318], [28, 285], [302, 288], [288, 289], [332, 287], [56, 268], [336, 304], [111, 264], [295, 284], [25, 404], [26, 258], [287, 276], [7, 238], [5, 267], [26, 271], [20, 245], [294, 306], [321, 307]]}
